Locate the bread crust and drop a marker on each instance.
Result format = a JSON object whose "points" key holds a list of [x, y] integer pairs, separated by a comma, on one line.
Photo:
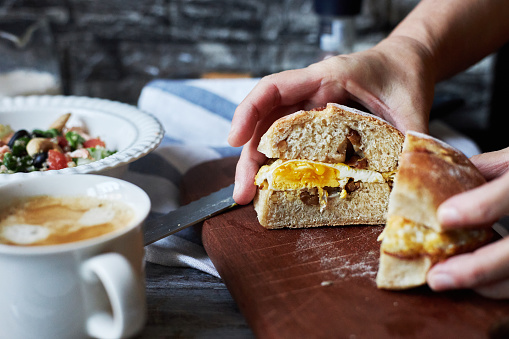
{"points": [[430, 172], [321, 135], [327, 135]]}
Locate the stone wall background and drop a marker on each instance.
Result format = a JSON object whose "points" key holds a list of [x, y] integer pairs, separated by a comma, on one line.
{"points": [[111, 49]]}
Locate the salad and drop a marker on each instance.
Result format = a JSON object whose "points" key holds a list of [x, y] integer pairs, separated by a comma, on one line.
{"points": [[52, 149]]}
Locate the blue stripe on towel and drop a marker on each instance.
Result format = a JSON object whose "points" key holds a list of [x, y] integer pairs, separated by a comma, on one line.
{"points": [[225, 151], [171, 141], [228, 151], [154, 164], [198, 96]]}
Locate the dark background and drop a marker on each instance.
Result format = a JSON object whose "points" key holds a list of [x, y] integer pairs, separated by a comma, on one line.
{"points": [[111, 49]]}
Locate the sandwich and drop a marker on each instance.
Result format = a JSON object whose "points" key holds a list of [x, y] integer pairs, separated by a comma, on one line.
{"points": [[430, 171], [330, 166]]}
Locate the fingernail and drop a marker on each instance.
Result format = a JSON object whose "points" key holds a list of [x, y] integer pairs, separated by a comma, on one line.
{"points": [[441, 281], [448, 215]]}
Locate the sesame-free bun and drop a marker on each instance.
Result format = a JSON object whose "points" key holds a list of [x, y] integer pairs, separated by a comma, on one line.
{"points": [[365, 206], [430, 172], [321, 135], [413, 240], [329, 135]]}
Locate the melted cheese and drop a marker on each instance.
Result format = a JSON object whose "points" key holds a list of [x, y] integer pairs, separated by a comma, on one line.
{"points": [[405, 238]]}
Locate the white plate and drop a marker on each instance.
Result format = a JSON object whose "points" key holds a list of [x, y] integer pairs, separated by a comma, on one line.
{"points": [[130, 131]]}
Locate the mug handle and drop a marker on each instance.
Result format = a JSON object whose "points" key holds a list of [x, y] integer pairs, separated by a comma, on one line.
{"points": [[125, 292]]}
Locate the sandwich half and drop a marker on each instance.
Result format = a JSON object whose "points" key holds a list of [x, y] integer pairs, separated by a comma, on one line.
{"points": [[328, 166], [430, 171]]}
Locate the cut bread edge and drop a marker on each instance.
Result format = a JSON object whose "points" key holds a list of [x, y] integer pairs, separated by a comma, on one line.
{"points": [[320, 135]]}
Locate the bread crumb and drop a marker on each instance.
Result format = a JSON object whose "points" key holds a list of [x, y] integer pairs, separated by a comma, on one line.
{"points": [[327, 283]]}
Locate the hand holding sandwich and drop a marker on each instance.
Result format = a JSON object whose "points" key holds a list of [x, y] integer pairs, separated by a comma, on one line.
{"points": [[367, 78], [485, 270], [395, 80]]}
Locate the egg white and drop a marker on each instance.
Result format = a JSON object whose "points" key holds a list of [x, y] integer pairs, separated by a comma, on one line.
{"points": [[343, 173]]}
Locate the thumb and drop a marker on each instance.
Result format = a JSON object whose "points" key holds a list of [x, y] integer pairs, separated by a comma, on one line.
{"points": [[481, 205], [492, 164]]}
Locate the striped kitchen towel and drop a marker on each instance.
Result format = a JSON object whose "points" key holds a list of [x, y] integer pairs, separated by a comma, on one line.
{"points": [[196, 116]]}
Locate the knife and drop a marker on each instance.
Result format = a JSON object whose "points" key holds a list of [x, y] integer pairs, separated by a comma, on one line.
{"points": [[188, 215]]}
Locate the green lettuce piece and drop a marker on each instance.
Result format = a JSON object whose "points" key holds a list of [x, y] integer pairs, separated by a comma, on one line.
{"points": [[99, 153], [74, 139]]}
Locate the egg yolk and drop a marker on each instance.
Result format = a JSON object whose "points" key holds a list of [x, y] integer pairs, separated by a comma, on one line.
{"points": [[295, 175], [298, 174]]}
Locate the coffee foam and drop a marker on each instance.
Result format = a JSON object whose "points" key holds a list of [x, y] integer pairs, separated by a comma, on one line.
{"points": [[25, 234], [97, 216], [45, 220]]}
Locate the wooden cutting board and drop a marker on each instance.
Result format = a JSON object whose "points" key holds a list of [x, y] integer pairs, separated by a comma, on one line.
{"points": [[320, 283]]}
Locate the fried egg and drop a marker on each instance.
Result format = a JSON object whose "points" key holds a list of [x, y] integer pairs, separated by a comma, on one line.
{"points": [[298, 174]]}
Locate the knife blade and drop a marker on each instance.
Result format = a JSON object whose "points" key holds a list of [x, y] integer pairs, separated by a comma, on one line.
{"points": [[188, 215]]}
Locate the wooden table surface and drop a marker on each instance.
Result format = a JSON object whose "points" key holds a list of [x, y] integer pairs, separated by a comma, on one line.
{"points": [[187, 303]]}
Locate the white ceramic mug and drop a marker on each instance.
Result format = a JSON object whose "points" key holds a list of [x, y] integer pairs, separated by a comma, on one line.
{"points": [[89, 288]]}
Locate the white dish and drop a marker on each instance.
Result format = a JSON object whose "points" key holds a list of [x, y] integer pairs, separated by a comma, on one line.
{"points": [[130, 131]]}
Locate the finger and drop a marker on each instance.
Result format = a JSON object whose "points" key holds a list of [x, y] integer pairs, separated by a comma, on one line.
{"points": [[492, 164], [488, 265], [498, 290], [408, 122], [251, 160], [282, 89], [247, 167], [481, 205]]}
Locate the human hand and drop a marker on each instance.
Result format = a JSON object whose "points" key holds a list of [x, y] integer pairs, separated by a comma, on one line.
{"points": [[394, 80], [487, 269]]}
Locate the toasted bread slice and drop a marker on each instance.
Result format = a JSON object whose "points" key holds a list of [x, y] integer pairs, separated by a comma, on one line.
{"points": [[430, 172], [413, 239]]}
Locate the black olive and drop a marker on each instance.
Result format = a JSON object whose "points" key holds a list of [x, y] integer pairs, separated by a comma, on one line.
{"points": [[39, 159], [19, 134]]}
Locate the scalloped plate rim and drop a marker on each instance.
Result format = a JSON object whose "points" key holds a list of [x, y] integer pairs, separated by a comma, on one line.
{"points": [[148, 137]]}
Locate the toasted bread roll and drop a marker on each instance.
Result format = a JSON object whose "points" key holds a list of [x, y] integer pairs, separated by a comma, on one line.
{"points": [[430, 172], [413, 240], [329, 166]]}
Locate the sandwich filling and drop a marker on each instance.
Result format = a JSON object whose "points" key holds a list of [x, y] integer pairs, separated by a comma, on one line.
{"points": [[299, 174], [405, 238]]}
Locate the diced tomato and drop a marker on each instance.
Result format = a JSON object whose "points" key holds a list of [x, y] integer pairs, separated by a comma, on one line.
{"points": [[62, 141], [94, 143], [4, 149], [56, 160]]}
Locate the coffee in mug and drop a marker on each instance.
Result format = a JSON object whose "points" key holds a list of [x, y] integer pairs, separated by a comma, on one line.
{"points": [[48, 220], [57, 285]]}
